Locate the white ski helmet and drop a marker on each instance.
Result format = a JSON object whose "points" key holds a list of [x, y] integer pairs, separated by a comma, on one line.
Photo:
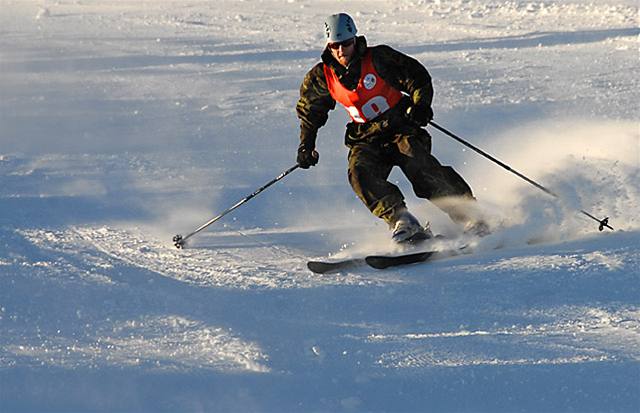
{"points": [[339, 27]]}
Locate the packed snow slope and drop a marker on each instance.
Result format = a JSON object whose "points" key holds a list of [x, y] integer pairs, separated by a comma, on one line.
{"points": [[123, 123]]}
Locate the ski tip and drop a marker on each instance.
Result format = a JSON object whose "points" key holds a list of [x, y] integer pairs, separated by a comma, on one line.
{"points": [[324, 267], [319, 267], [377, 262]]}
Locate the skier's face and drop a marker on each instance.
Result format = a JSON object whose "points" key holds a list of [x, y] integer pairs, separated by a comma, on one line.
{"points": [[343, 51]]}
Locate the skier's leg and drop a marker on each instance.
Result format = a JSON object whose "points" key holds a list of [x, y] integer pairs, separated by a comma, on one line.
{"points": [[431, 180], [368, 173], [369, 168]]}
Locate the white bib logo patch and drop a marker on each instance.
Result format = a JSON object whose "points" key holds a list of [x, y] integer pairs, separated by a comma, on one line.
{"points": [[369, 81]]}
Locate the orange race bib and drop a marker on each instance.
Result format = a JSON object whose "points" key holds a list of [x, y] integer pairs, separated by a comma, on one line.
{"points": [[372, 97]]}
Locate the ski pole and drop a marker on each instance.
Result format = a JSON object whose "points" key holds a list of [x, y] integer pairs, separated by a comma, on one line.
{"points": [[179, 241], [603, 222]]}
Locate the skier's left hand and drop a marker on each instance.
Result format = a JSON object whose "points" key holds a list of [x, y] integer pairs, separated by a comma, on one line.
{"points": [[420, 114], [307, 157]]}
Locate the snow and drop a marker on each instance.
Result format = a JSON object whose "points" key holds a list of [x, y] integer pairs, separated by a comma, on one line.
{"points": [[123, 123]]}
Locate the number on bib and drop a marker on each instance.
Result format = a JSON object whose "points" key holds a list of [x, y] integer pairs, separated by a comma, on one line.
{"points": [[375, 106]]}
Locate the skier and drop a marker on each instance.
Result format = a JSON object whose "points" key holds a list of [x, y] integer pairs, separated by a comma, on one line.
{"points": [[388, 96]]}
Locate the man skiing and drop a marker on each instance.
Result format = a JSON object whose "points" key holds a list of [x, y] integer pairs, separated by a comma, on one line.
{"points": [[388, 96]]}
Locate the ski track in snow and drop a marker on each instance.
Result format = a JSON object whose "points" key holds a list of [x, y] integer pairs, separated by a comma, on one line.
{"points": [[105, 247], [170, 343], [583, 263], [580, 335]]}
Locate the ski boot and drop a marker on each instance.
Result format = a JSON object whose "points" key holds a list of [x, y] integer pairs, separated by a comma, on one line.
{"points": [[407, 229]]}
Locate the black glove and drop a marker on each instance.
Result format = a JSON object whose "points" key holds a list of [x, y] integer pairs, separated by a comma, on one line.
{"points": [[307, 157], [420, 114]]}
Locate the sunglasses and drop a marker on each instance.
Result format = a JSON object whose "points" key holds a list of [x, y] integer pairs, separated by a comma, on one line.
{"points": [[344, 44]]}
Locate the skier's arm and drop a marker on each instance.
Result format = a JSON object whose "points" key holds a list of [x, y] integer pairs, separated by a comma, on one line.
{"points": [[313, 106], [404, 73]]}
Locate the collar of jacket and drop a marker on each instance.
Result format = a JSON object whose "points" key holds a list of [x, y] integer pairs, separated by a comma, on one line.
{"points": [[354, 65]]}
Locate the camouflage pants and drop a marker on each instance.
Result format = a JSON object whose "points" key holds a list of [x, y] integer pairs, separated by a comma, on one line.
{"points": [[370, 164]]}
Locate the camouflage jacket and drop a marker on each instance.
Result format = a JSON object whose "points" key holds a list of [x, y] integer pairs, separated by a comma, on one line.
{"points": [[399, 70]]}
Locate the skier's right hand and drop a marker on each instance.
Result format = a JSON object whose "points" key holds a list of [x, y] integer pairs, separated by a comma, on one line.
{"points": [[307, 157]]}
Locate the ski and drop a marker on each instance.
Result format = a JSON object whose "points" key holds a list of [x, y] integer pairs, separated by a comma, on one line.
{"points": [[324, 267], [380, 262]]}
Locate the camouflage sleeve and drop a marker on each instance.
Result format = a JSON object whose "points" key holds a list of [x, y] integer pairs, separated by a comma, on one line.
{"points": [[314, 105], [404, 73]]}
